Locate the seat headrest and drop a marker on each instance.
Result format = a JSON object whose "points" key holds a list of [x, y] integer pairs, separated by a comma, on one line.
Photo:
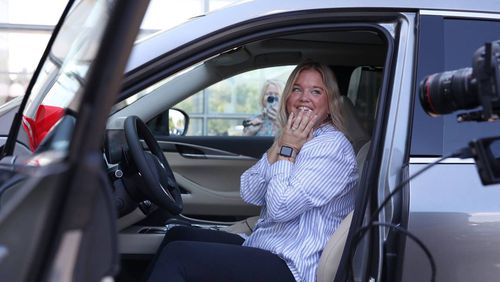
{"points": [[354, 130]]}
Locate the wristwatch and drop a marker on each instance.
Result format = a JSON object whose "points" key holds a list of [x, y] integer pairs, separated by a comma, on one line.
{"points": [[287, 151]]}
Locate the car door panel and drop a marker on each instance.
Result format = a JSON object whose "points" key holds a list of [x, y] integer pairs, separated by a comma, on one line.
{"points": [[208, 169]]}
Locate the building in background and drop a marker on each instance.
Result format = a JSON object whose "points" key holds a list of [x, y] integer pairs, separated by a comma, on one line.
{"points": [[26, 25]]}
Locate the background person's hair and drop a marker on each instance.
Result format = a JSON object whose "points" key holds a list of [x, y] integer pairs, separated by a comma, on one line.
{"points": [[263, 90], [332, 91]]}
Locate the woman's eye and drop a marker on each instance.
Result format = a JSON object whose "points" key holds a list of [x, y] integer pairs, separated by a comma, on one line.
{"points": [[296, 90], [316, 92]]}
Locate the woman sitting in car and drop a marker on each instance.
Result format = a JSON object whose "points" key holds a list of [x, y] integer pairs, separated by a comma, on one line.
{"points": [[304, 183]]}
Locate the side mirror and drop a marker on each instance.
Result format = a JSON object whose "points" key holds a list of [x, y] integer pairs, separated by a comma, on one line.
{"points": [[172, 122], [487, 156], [178, 122]]}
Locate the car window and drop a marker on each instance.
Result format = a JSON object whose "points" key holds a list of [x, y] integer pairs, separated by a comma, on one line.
{"points": [[448, 44], [57, 88], [363, 91], [225, 108]]}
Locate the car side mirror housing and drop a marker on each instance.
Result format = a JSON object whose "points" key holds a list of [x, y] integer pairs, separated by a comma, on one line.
{"points": [[487, 156], [178, 122], [172, 122]]}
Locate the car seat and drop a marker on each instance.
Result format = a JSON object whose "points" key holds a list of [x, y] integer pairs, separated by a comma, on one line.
{"points": [[353, 127], [332, 253]]}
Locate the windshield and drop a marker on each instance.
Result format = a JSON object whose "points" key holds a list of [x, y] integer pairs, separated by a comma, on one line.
{"points": [[57, 89]]}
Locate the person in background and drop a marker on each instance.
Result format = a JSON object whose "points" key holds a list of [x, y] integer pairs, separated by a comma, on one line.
{"points": [[266, 123], [305, 185]]}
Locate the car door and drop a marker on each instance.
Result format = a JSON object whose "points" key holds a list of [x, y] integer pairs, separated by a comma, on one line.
{"points": [[57, 219], [344, 42], [216, 149], [448, 208], [208, 164]]}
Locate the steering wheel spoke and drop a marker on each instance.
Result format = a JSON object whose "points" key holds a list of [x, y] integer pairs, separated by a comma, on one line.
{"points": [[160, 185]]}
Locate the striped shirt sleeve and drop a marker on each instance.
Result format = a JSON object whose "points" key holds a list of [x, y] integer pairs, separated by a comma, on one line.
{"points": [[254, 182], [321, 173]]}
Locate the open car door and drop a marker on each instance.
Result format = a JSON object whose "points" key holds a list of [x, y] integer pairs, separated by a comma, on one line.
{"points": [[57, 219]]}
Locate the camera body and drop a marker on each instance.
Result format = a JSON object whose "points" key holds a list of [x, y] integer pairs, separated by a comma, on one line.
{"points": [[272, 102], [272, 99], [467, 88]]}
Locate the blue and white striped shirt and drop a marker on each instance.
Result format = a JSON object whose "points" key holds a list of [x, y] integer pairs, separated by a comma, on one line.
{"points": [[303, 202]]}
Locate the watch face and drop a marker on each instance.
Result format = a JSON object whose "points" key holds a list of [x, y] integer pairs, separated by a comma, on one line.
{"points": [[286, 151]]}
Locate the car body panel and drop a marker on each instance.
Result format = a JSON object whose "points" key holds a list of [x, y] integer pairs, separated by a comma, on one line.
{"points": [[248, 11], [457, 219]]}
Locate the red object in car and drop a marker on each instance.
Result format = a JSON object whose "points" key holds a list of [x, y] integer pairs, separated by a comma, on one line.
{"points": [[37, 128]]}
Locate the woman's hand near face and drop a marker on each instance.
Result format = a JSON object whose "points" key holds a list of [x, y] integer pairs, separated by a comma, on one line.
{"points": [[298, 130], [295, 134], [272, 113]]}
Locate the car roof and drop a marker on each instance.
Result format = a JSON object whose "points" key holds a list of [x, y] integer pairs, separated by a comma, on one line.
{"points": [[164, 41]]}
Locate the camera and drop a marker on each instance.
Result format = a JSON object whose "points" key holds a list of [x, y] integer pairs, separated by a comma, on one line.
{"points": [[272, 102], [272, 99], [467, 88]]}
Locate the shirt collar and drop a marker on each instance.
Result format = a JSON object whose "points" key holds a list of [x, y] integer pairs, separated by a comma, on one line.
{"points": [[325, 127]]}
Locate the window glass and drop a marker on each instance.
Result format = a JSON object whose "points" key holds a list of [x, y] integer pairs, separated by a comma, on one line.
{"points": [[448, 44], [195, 127], [64, 71], [223, 127], [18, 58], [193, 104], [364, 87], [31, 12], [165, 14], [222, 108]]}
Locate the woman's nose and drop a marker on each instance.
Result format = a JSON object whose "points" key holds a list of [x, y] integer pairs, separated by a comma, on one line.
{"points": [[305, 96]]}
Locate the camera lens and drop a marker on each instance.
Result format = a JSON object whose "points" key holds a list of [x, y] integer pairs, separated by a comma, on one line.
{"points": [[445, 92], [272, 99]]}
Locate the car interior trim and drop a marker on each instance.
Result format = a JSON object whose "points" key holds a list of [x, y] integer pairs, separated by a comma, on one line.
{"points": [[219, 157], [184, 56], [206, 153]]}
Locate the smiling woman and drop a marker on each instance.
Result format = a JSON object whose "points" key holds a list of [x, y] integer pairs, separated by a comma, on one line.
{"points": [[315, 90], [293, 185]]}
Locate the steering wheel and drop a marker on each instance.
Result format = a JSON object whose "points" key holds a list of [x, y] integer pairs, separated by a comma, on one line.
{"points": [[159, 182]]}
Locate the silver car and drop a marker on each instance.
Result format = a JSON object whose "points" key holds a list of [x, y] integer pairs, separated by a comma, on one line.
{"points": [[77, 204]]}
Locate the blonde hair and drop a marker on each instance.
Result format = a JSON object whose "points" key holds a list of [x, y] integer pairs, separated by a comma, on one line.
{"points": [[332, 91], [263, 91]]}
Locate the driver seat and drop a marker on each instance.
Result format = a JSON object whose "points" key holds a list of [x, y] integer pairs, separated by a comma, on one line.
{"points": [[331, 255], [332, 252]]}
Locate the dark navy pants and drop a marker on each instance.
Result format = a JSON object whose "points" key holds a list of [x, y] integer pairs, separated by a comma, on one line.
{"points": [[195, 254]]}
